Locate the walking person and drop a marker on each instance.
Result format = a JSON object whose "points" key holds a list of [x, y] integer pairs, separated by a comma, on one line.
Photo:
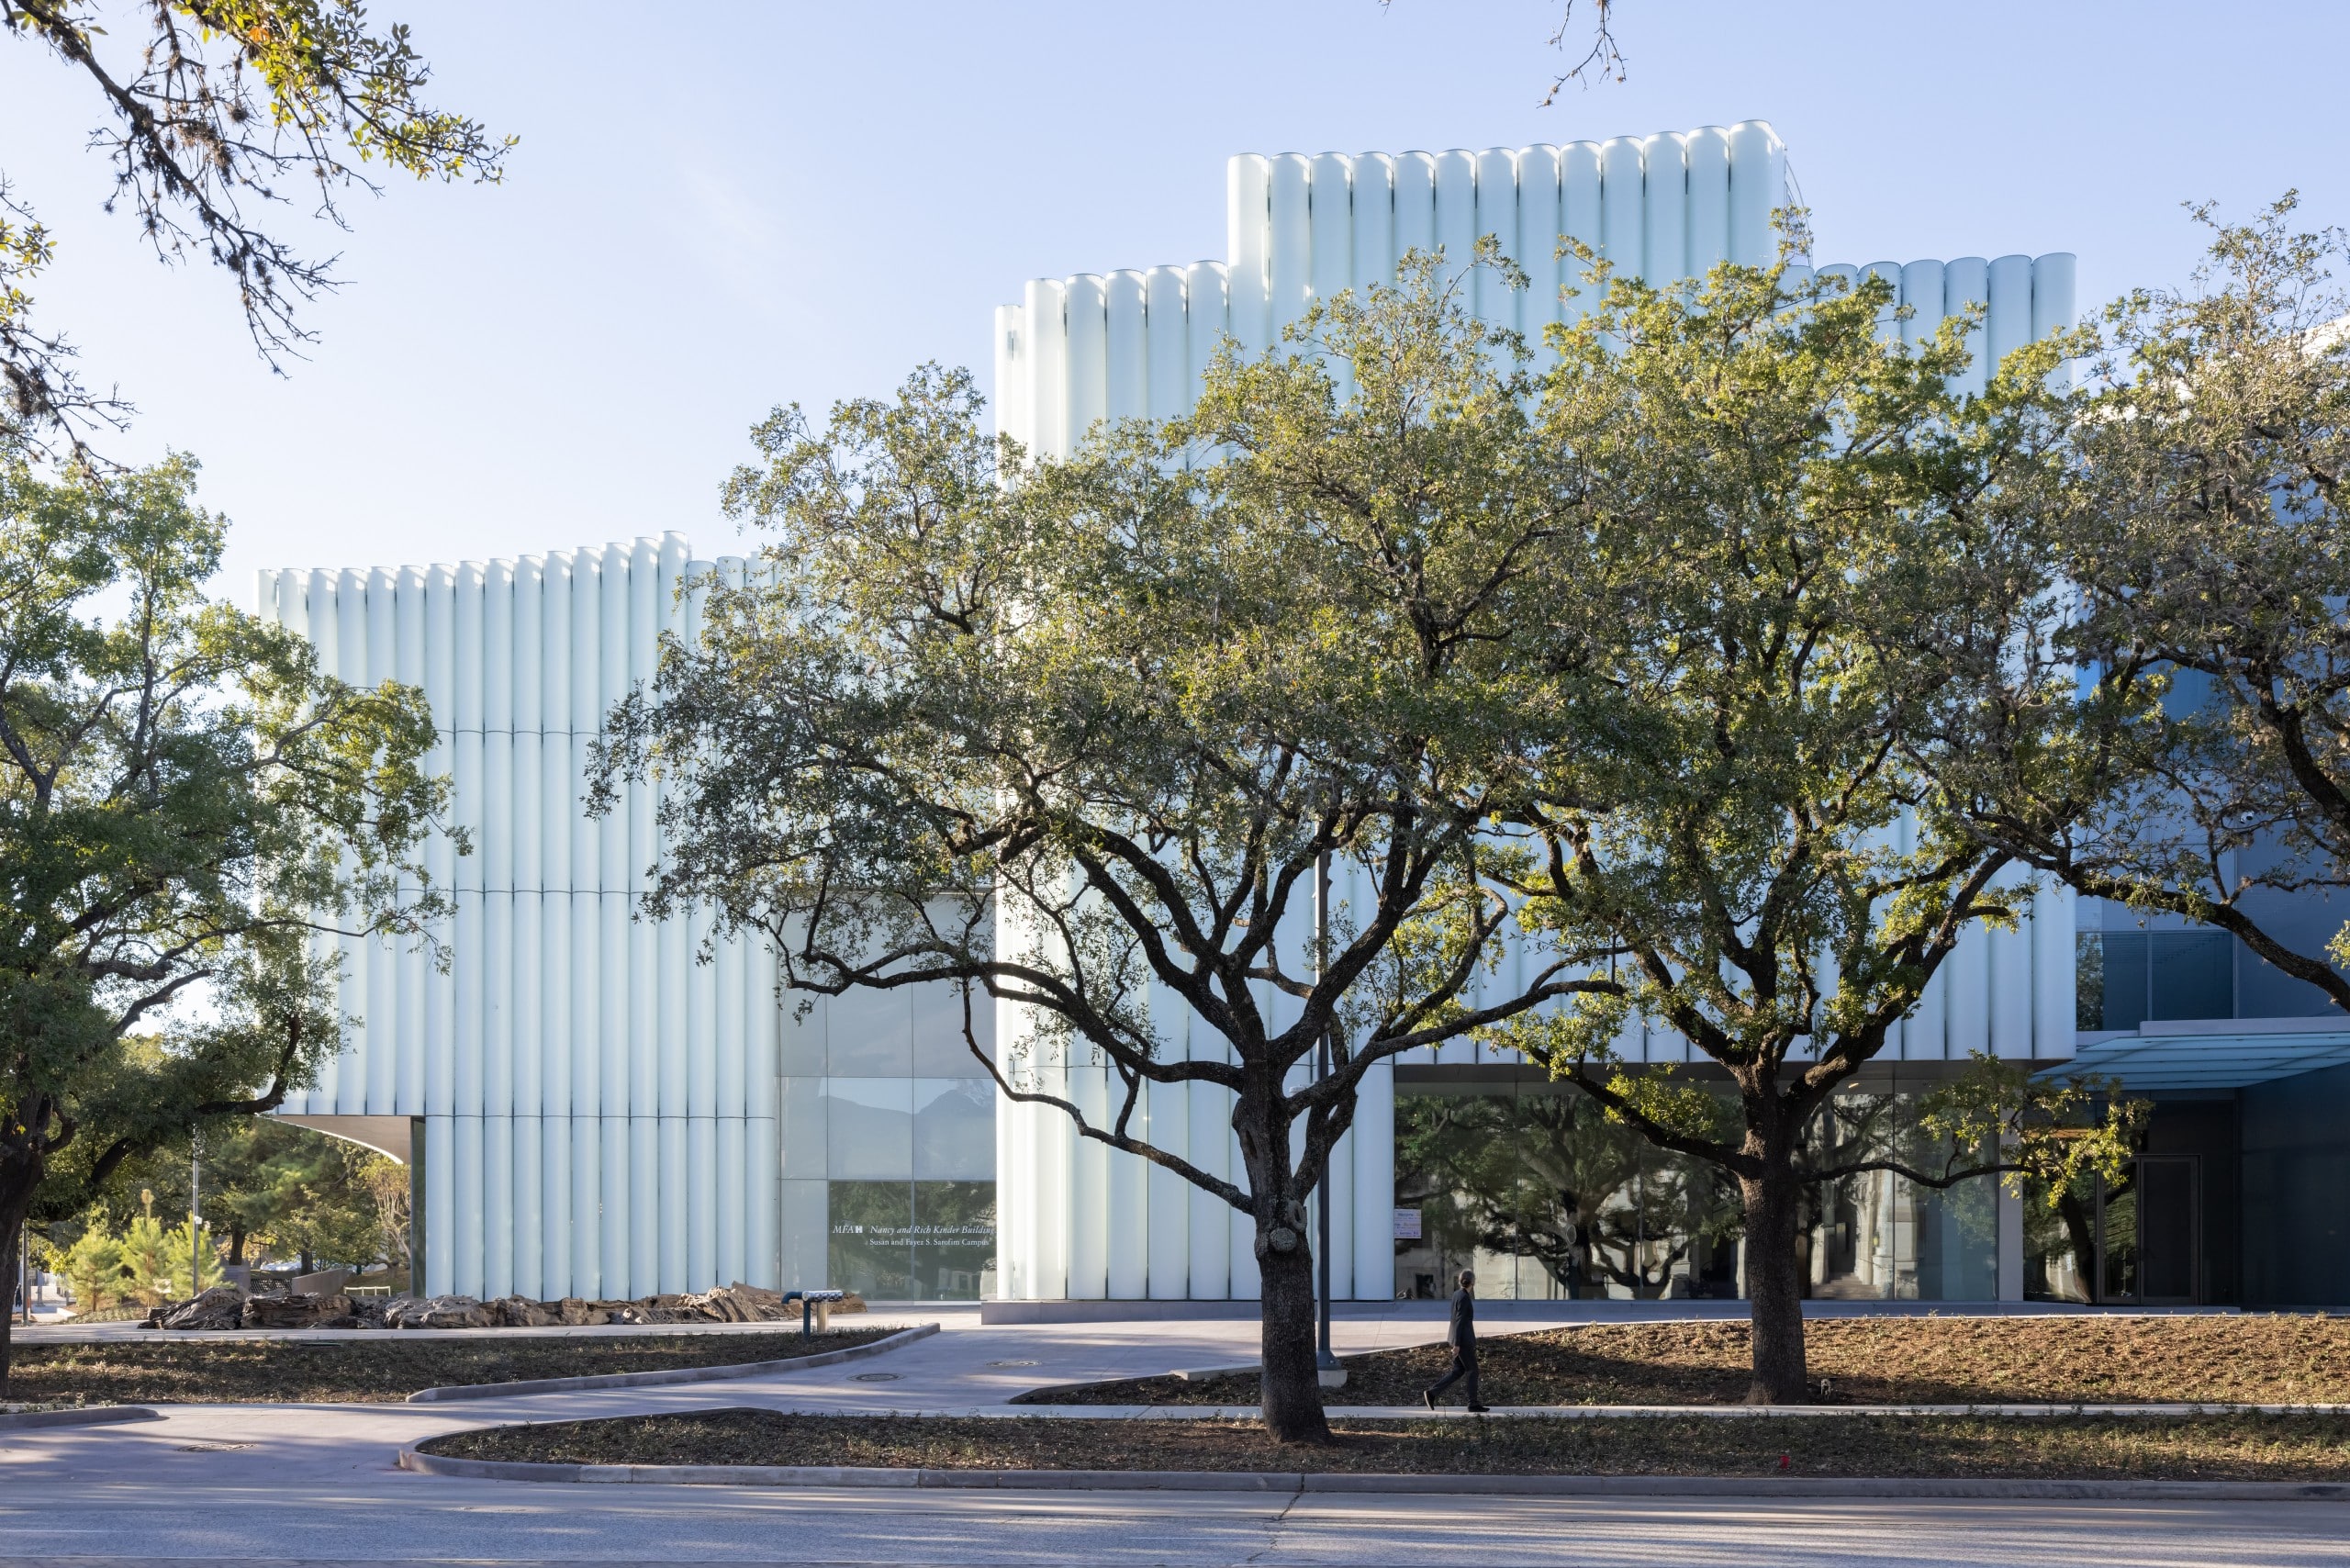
{"points": [[1461, 1335]]}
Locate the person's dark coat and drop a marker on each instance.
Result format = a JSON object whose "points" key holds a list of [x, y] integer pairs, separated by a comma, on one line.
{"points": [[1461, 1334]]}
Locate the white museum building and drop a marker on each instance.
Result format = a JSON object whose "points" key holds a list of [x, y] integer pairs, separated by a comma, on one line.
{"points": [[589, 1111]]}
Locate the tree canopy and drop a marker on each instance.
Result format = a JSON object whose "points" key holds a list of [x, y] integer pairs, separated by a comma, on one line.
{"points": [[2201, 513], [186, 801], [1087, 743]]}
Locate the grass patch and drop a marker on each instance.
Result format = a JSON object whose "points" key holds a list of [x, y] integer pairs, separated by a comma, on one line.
{"points": [[2250, 1359], [2230, 1447], [379, 1370]]}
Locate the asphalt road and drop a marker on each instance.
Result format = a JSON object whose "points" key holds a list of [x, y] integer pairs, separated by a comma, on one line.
{"points": [[389, 1517]]}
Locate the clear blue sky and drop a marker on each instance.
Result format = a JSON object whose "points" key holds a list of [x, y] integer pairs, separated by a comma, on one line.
{"points": [[721, 207]]}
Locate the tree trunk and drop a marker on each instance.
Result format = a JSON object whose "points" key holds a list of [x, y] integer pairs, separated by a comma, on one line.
{"points": [[1290, 1386], [1774, 1284], [13, 1208], [22, 1165]]}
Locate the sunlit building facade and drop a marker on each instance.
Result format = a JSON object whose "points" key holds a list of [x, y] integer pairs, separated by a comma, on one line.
{"points": [[593, 1105]]}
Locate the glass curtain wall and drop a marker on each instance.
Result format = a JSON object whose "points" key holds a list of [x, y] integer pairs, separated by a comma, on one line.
{"points": [[1528, 1182], [888, 1147]]}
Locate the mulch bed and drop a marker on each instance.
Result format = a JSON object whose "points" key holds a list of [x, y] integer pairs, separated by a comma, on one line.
{"points": [[2231, 1448], [2253, 1360], [379, 1370]]}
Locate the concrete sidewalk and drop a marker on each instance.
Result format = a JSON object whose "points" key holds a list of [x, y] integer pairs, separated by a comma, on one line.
{"points": [[963, 1367]]}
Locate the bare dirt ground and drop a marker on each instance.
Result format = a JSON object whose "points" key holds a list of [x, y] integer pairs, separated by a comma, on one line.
{"points": [[2247, 1448], [2262, 1359], [384, 1370]]}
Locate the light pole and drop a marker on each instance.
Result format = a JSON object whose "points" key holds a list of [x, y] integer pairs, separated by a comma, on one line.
{"points": [[195, 1213], [1324, 1358]]}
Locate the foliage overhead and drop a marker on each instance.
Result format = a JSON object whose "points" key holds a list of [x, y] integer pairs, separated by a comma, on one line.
{"points": [[225, 109], [2203, 516], [186, 801]]}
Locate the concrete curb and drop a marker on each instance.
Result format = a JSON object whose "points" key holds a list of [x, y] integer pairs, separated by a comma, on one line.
{"points": [[1295, 1483], [86, 1415], [672, 1374], [1018, 1408]]}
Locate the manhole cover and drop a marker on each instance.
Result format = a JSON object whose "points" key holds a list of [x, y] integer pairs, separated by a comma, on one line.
{"points": [[1011, 1364], [876, 1377]]}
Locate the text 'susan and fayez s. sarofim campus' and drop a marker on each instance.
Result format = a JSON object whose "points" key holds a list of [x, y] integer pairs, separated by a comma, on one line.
{"points": [[589, 1111]]}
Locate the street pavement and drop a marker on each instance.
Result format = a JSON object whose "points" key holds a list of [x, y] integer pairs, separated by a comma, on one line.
{"points": [[281, 1484]]}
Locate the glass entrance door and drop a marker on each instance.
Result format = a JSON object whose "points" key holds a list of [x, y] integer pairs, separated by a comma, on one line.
{"points": [[2170, 1231], [2150, 1233]]}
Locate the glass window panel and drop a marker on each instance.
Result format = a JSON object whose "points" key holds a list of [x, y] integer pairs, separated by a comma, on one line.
{"points": [[954, 1238], [2192, 974], [800, 1042], [2088, 981], [803, 1131], [2120, 1220], [1442, 1132], [2060, 1242], [1958, 1242], [2125, 980], [806, 1247], [872, 1238], [954, 1128], [2166, 1229], [869, 1127], [939, 1048], [870, 1034]]}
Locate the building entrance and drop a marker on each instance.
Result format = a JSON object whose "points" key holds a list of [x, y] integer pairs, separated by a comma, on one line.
{"points": [[2150, 1233]]}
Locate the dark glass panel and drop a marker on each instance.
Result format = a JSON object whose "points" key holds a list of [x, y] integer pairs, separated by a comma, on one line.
{"points": [[2120, 1222], [2167, 1231], [872, 1238], [954, 1238], [2192, 974], [2125, 980]]}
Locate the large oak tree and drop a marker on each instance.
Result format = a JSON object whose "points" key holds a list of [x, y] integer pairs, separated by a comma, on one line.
{"points": [[1833, 589], [186, 801], [1085, 743]]}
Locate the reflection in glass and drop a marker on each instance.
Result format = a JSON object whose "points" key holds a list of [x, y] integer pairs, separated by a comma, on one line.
{"points": [[954, 1128], [2060, 1242], [2127, 978], [940, 1049], [1535, 1189], [954, 1238], [2117, 1222], [869, 1127], [912, 1240], [871, 1226], [1532, 1185], [870, 1034], [1878, 1236]]}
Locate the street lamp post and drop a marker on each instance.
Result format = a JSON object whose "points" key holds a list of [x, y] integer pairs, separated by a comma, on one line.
{"points": [[1324, 1358], [194, 1214]]}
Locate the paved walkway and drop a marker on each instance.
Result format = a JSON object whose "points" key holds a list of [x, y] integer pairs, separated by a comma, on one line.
{"points": [[283, 1483]]}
